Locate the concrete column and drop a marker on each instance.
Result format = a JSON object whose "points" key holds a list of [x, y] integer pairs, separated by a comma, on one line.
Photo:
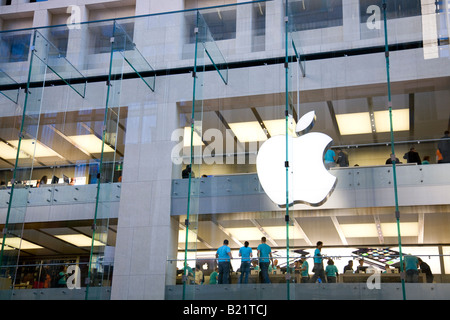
{"points": [[78, 43], [156, 33], [158, 6], [244, 20], [351, 20], [41, 18], [146, 233], [275, 25]]}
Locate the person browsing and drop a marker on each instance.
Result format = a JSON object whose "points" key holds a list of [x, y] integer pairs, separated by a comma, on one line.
{"points": [[264, 254], [318, 270], [223, 256], [246, 254]]}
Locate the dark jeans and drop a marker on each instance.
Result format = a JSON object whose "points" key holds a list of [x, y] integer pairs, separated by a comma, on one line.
{"points": [[305, 279], [412, 276], [245, 271], [265, 271], [318, 273], [224, 272], [331, 279]]}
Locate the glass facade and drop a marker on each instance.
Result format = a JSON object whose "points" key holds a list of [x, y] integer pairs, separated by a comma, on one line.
{"points": [[139, 156]]}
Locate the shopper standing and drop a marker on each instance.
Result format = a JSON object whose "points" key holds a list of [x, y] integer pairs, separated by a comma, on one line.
{"points": [[331, 271], [223, 255], [264, 254], [444, 148], [318, 264], [246, 254]]}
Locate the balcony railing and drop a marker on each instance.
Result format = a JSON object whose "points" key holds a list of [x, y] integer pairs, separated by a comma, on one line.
{"points": [[370, 186]]}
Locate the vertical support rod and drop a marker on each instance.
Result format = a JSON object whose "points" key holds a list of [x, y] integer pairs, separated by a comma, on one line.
{"points": [[394, 171], [286, 66], [191, 158]]}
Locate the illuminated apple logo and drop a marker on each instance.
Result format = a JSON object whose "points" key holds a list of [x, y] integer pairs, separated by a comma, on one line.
{"points": [[309, 181]]}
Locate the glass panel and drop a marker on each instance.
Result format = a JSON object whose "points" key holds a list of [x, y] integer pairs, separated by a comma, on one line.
{"points": [[9, 87], [123, 55], [133, 56], [55, 60], [44, 152], [192, 171], [206, 39], [205, 50]]}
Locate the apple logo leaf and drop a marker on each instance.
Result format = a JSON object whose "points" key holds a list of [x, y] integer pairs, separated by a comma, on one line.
{"points": [[306, 123]]}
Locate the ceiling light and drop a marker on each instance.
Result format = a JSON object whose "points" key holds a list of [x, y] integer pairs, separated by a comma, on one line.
{"points": [[354, 123], [359, 230], [248, 131], [90, 143], [245, 234], [192, 236], [187, 138], [278, 127], [360, 123], [34, 147], [280, 232], [400, 120], [407, 229], [16, 243], [369, 230], [79, 240], [8, 152]]}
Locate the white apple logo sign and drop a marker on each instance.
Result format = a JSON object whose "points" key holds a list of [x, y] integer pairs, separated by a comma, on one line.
{"points": [[309, 181]]}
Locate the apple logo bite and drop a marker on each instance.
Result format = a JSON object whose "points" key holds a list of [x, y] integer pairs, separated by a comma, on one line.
{"points": [[309, 181]]}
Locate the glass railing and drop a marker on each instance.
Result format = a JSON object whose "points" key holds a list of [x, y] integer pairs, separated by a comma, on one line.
{"points": [[61, 194], [360, 273], [53, 279], [352, 178]]}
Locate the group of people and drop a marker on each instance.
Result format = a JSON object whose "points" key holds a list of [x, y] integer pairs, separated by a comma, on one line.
{"points": [[329, 274], [337, 157], [223, 256], [412, 156]]}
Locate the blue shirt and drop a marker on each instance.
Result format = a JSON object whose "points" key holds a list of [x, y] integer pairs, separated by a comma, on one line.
{"points": [[222, 253], [329, 155], [411, 263], [264, 251], [305, 272], [317, 256], [245, 253], [331, 270]]}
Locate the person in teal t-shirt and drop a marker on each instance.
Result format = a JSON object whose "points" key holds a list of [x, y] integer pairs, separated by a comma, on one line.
{"points": [[264, 254], [246, 254], [318, 264], [213, 276], [411, 267], [330, 159], [331, 271], [304, 270], [223, 256]]}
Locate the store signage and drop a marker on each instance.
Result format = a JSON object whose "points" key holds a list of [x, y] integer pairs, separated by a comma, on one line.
{"points": [[309, 182]]}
